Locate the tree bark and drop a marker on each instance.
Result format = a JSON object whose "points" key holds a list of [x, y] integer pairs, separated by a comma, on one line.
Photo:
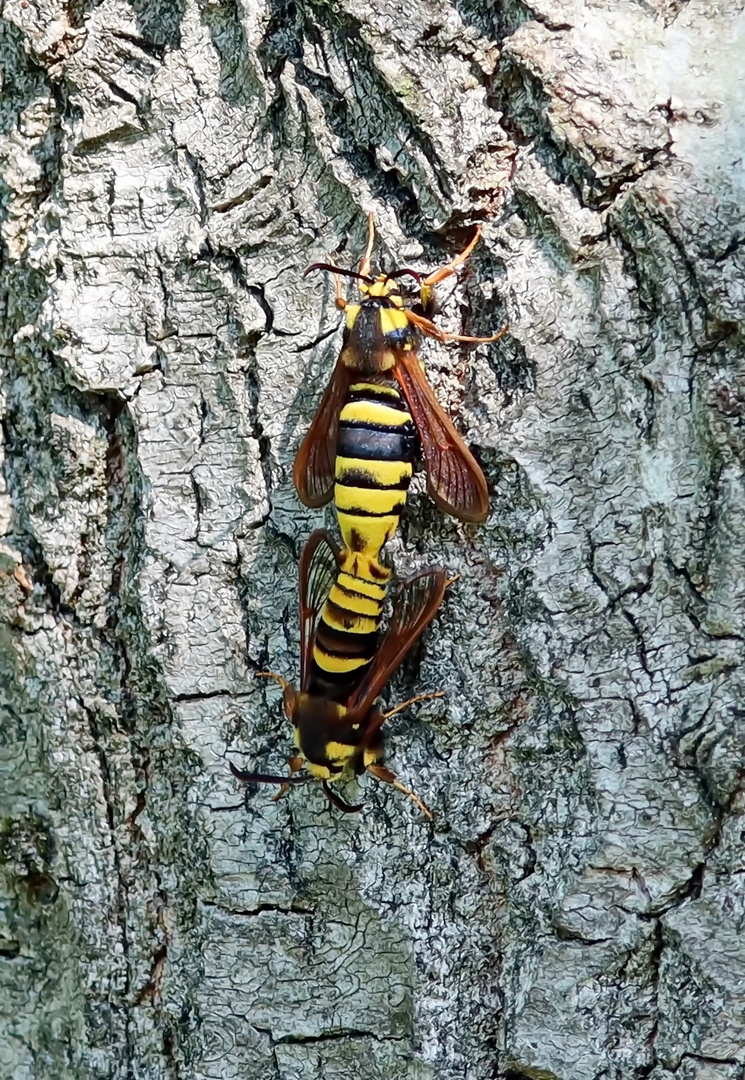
{"points": [[575, 909]]}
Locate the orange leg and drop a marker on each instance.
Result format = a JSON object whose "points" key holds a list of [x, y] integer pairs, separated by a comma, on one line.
{"points": [[341, 302], [413, 700], [428, 327], [447, 271], [270, 675], [388, 777], [367, 257], [22, 578], [296, 764]]}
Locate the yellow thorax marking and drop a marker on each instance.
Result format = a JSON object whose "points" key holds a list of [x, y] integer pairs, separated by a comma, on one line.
{"points": [[379, 287], [306, 700], [393, 319], [339, 753], [319, 771]]}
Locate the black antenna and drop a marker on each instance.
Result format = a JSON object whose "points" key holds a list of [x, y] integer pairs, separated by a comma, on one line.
{"points": [[262, 778], [338, 802], [340, 270], [400, 273]]}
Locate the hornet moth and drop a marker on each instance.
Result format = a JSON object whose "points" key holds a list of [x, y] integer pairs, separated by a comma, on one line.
{"points": [[378, 365], [337, 723]]}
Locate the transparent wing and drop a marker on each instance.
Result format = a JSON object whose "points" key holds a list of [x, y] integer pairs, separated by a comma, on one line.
{"points": [[414, 607], [313, 471], [319, 565], [454, 477]]}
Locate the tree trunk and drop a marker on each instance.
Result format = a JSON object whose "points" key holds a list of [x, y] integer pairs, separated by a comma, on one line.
{"points": [[575, 909]]}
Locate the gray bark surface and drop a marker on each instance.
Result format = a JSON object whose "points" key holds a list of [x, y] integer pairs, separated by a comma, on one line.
{"points": [[575, 910]]}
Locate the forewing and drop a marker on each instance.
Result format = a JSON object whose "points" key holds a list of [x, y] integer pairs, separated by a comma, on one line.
{"points": [[454, 477], [313, 471], [319, 565], [414, 607]]}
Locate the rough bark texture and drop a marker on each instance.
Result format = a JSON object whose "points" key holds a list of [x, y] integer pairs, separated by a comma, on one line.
{"points": [[576, 908]]}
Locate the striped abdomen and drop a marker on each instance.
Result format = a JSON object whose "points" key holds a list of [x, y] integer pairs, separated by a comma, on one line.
{"points": [[374, 463], [347, 629]]}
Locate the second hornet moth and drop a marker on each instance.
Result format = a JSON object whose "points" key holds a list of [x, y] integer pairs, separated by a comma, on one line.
{"points": [[337, 722]]}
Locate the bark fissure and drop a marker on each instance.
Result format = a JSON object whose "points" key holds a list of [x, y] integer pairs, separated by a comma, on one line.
{"points": [[166, 175]]}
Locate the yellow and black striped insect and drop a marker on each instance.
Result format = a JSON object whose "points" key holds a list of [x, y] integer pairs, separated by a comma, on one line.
{"points": [[374, 463], [337, 724], [361, 446]]}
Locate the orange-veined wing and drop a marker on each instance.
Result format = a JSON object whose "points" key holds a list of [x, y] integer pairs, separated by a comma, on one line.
{"points": [[319, 565], [313, 471], [454, 477], [414, 607]]}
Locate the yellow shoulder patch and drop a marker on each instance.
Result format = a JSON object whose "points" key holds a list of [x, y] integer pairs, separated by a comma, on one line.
{"points": [[393, 319]]}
